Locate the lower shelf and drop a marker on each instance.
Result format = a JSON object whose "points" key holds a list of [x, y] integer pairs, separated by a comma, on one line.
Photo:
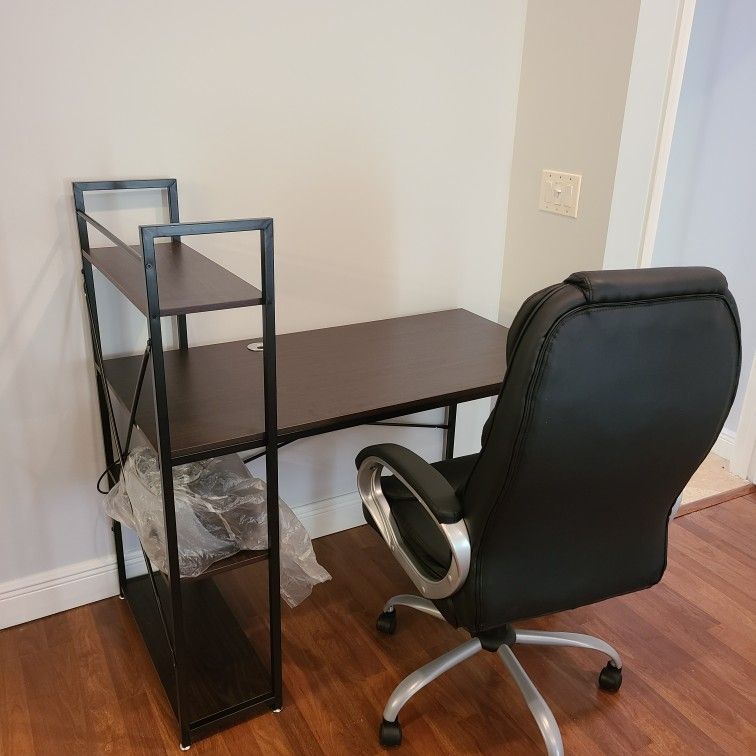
{"points": [[241, 559], [225, 678]]}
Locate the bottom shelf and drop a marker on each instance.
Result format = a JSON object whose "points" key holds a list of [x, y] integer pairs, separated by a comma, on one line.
{"points": [[225, 678]]}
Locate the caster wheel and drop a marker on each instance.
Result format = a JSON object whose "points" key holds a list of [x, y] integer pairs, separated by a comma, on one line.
{"points": [[386, 622], [610, 678], [390, 733]]}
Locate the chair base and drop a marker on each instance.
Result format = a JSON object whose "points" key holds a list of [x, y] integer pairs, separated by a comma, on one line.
{"points": [[610, 677]]}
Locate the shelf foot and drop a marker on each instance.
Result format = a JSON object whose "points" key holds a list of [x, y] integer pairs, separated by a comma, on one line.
{"points": [[184, 748], [277, 711]]}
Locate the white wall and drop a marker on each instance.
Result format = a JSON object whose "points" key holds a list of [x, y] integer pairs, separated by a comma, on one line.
{"points": [[707, 215], [575, 72], [378, 135]]}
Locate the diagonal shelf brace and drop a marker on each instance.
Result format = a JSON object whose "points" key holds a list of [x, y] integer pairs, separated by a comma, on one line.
{"points": [[123, 450]]}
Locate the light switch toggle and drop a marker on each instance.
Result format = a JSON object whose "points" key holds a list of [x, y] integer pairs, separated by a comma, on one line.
{"points": [[560, 193]]}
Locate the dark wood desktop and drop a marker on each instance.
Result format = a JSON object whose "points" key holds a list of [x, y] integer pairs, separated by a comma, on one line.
{"points": [[328, 378]]}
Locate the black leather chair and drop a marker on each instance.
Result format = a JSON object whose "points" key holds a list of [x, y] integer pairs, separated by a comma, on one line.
{"points": [[617, 385]]}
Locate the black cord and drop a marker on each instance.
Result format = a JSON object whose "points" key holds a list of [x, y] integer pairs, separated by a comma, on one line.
{"points": [[107, 471]]}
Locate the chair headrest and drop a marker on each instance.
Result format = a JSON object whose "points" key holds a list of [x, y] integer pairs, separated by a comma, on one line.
{"points": [[600, 286]]}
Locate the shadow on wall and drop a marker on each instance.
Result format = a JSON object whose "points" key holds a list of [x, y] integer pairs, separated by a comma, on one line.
{"points": [[49, 427]]}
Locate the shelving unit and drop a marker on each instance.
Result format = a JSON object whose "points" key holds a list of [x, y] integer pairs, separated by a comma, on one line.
{"points": [[210, 671]]}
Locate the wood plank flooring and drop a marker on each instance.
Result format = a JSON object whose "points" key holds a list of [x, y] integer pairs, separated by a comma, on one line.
{"points": [[81, 682]]}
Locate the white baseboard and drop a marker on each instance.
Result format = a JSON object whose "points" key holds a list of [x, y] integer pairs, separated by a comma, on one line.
{"points": [[59, 589], [63, 588], [725, 444], [331, 515], [743, 460]]}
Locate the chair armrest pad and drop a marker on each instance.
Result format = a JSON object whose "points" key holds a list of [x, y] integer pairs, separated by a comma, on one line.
{"points": [[427, 483]]}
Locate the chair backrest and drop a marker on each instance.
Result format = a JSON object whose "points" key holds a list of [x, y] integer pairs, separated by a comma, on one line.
{"points": [[617, 385]]}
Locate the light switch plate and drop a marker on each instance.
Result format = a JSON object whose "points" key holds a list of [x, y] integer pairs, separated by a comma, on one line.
{"points": [[560, 193]]}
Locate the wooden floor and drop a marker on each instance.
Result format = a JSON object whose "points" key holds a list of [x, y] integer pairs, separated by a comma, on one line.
{"points": [[81, 682]]}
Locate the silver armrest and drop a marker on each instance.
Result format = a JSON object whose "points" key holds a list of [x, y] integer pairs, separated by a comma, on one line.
{"points": [[369, 486]]}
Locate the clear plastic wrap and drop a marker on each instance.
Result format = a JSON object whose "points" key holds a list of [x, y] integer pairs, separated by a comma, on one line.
{"points": [[220, 510]]}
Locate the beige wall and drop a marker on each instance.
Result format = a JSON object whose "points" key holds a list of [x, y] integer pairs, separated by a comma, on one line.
{"points": [[573, 85], [378, 135]]}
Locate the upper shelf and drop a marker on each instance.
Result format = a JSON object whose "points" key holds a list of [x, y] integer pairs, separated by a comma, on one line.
{"points": [[188, 281]]}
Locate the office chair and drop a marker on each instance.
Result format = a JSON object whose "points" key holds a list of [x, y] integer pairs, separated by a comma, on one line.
{"points": [[617, 385]]}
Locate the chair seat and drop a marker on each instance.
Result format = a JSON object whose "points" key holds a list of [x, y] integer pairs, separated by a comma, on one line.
{"points": [[416, 526]]}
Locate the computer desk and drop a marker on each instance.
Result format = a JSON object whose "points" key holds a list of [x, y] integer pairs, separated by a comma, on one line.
{"points": [[328, 379]]}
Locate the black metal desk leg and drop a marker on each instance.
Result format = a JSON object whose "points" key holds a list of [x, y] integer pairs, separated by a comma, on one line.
{"points": [[451, 423]]}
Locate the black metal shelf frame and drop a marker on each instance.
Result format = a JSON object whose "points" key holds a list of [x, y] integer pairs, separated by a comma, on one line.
{"points": [[173, 671]]}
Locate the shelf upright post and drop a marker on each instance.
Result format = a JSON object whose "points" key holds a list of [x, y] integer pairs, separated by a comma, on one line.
{"points": [[147, 235], [94, 325], [271, 458], [173, 217]]}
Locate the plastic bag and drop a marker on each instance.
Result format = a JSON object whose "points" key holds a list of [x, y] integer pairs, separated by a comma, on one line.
{"points": [[220, 510]]}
